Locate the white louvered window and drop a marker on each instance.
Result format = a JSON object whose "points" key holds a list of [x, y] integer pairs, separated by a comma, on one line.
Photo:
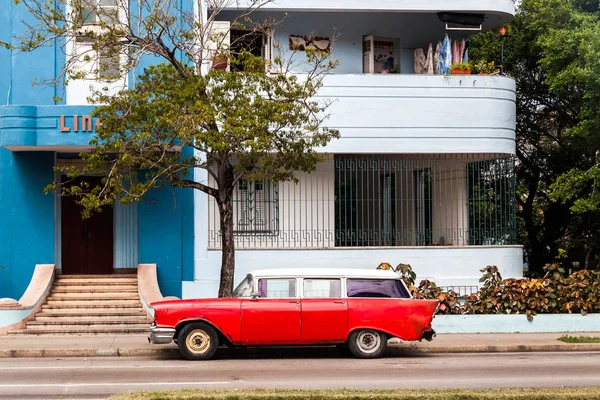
{"points": [[97, 64]]}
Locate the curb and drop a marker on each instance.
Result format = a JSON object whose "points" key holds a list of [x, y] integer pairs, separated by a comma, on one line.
{"points": [[393, 350], [85, 353], [518, 348]]}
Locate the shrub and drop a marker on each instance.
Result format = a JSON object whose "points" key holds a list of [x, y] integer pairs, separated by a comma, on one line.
{"points": [[552, 294]]}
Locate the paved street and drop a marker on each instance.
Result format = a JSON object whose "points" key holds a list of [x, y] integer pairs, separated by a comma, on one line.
{"points": [[293, 368]]}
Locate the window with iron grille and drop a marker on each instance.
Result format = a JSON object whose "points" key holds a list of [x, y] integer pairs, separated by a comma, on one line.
{"points": [[256, 208]]}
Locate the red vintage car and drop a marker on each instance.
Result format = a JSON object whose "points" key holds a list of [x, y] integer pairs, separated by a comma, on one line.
{"points": [[358, 310]]}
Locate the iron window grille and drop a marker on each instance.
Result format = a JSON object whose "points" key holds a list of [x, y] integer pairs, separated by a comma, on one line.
{"points": [[256, 208]]}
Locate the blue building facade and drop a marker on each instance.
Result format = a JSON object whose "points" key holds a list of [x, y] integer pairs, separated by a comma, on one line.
{"points": [[38, 131]]}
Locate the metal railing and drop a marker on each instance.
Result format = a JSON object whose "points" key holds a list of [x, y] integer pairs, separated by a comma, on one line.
{"points": [[381, 200]]}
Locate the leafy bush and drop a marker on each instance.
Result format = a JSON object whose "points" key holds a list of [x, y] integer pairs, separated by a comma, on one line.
{"points": [[552, 294]]}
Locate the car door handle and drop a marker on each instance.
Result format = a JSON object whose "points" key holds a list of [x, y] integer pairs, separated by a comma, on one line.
{"points": [[294, 301], [339, 302]]}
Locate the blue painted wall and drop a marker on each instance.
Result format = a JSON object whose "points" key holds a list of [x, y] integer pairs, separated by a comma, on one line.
{"points": [[164, 228], [29, 119], [26, 218], [20, 70]]}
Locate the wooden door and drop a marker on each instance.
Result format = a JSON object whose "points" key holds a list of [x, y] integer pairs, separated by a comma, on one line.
{"points": [[86, 244]]}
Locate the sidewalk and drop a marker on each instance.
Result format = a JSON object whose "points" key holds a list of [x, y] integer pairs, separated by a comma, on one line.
{"points": [[138, 346]]}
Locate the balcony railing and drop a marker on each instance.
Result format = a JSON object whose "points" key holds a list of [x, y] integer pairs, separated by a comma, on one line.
{"points": [[380, 201]]}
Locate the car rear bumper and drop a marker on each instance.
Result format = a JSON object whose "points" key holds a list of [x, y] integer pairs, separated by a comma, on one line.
{"points": [[428, 335], [161, 335]]}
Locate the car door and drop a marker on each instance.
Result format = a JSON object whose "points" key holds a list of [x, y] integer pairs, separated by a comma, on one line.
{"points": [[274, 316], [324, 311]]}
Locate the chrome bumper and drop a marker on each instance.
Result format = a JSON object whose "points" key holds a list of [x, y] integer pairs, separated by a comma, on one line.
{"points": [[161, 335]]}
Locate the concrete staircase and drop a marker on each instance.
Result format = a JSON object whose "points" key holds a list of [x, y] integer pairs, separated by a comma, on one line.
{"points": [[90, 304]]}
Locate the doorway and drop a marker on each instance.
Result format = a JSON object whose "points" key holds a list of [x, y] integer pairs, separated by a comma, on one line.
{"points": [[86, 244]]}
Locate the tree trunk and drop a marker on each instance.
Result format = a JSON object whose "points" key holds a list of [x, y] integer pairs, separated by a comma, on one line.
{"points": [[226, 178], [227, 250], [588, 253]]}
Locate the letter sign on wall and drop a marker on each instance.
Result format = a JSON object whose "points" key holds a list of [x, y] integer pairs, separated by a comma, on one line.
{"points": [[80, 123]]}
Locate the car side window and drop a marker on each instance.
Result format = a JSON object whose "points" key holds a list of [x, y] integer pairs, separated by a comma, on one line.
{"points": [[276, 288], [382, 288], [322, 288]]}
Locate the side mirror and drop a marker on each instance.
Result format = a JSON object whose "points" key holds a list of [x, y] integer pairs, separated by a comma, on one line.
{"points": [[254, 295]]}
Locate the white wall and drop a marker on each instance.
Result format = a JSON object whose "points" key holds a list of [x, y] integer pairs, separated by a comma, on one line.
{"points": [[421, 113], [444, 265]]}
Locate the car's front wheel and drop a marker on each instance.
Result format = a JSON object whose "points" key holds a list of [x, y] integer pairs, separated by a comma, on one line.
{"points": [[198, 341], [367, 343]]}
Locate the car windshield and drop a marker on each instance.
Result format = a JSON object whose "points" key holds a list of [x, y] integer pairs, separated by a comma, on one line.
{"points": [[244, 289]]}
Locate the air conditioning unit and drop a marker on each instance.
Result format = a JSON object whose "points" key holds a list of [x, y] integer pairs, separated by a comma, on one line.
{"points": [[379, 54]]}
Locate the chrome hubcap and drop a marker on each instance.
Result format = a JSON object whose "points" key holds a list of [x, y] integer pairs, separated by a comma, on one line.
{"points": [[368, 341], [198, 341]]}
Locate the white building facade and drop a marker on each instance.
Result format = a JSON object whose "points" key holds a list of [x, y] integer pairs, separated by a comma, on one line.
{"points": [[423, 172]]}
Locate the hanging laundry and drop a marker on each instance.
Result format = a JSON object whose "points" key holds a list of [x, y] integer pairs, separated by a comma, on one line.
{"points": [[461, 50], [429, 62], [455, 54], [445, 55], [420, 61], [436, 59]]}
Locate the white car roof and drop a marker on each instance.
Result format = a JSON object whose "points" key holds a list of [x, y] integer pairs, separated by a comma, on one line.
{"points": [[325, 272]]}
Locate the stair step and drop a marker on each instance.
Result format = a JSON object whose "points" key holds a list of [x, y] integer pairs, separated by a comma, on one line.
{"points": [[110, 320], [82, 329], [60, 305], [98, 276], [96, 288], [90, 312], [93, 303], [93, 296], [93, 282]]}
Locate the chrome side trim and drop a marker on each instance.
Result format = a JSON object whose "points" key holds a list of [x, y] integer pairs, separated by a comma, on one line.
{"points": [[161, 335]]}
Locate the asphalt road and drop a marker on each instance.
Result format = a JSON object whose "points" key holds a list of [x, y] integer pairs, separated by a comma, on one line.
{"points": [[96, 378]]}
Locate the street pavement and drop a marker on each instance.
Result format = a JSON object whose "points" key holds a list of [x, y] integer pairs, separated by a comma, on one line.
{"points": [[14, 346], [100, 377]]}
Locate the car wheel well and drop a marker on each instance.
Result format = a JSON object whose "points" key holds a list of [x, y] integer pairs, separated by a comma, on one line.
{"points": [[389, 335], [222, 338]]}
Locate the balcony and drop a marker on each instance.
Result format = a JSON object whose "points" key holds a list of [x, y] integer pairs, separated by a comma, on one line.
{"points": [[402, 112], [395, 113]]}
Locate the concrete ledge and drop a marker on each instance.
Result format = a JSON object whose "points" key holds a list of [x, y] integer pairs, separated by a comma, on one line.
{"points": [[516, 323], [148, 288], [14, 315]]}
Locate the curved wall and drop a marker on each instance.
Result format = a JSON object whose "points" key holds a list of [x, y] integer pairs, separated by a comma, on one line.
{"points": [[387, 113]]}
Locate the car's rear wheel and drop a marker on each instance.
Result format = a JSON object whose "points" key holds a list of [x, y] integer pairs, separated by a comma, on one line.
{"points": [[367, 343], [198, 341]]}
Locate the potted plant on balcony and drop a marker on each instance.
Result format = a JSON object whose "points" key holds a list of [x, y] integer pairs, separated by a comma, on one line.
{"points": [[483, 67], [220, 61], [462, 68]]}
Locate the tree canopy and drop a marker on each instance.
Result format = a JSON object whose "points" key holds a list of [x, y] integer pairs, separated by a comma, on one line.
{"points": [[252, 118], [553, 52]]}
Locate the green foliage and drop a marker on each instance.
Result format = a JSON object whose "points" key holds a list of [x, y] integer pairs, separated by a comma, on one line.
{"points": [[180, 115], [483, 67], [579, 339], [552, 52], [554, 293], [463, 66], [405, 270]]}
